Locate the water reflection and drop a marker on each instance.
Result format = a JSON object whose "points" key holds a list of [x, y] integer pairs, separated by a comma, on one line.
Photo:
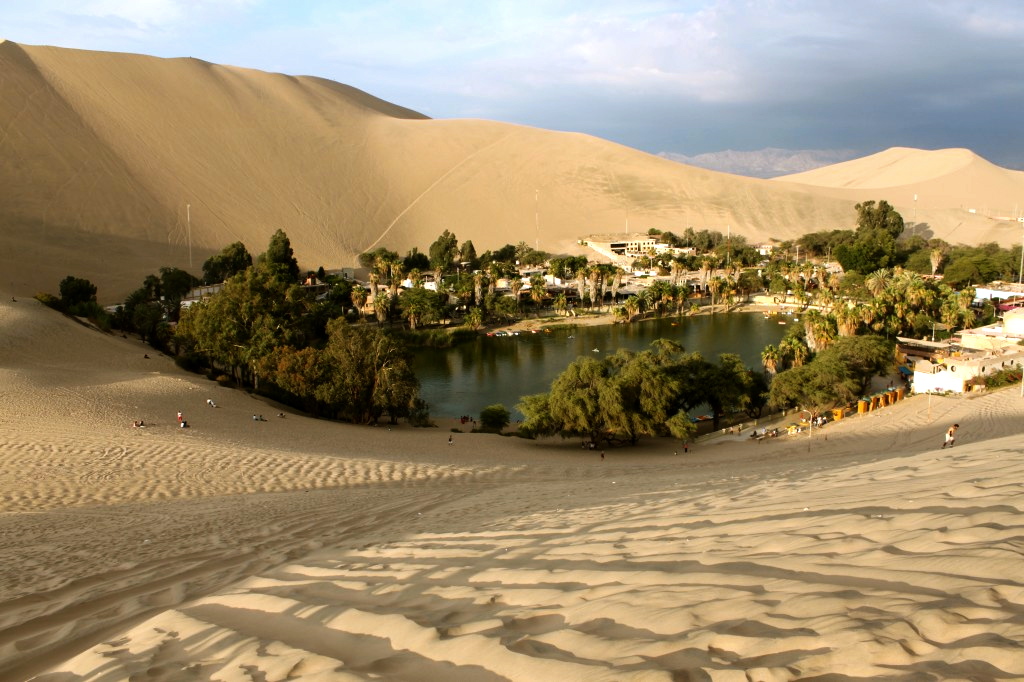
{"points": [[488, 370]]}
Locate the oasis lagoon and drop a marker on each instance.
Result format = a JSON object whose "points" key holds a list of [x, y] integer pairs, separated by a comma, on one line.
{"points": [[462, 380]]}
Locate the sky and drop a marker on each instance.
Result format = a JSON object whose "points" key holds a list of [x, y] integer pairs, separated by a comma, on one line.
{"points": [[663, 76]]}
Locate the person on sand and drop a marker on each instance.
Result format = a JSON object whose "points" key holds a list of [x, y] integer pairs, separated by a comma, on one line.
{"points": [[451, 441], [950, 435]]}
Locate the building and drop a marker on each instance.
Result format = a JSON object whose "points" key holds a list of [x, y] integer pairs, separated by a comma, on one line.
{"points": [[963, 370], [982, 351], [1007, 333], [622, 248], [996, 291]]}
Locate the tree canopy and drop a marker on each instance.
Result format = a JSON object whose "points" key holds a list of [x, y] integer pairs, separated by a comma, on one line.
{"points": [[232, 260], [626, 396]]}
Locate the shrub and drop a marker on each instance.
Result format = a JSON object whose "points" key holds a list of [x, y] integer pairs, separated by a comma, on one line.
{"points": [[495, 418], [1004, 377], [50, 301]]}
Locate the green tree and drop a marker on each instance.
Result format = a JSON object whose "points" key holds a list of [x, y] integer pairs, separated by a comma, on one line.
{"points": [[232, 260], [836, 376], [495, 418], [362, 374], [75, 291], [280, 259], [419, 306], [878, 227], [237, 328], [443, 252]]}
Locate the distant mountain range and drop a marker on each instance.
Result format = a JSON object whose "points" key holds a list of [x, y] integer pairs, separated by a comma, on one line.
{"points": [[114, 165], [764, 163]]}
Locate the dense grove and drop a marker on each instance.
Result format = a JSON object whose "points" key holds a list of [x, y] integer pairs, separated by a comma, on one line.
{"points": [[341, 349]]}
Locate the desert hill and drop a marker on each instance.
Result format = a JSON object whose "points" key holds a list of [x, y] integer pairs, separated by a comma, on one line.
{"points": [[114, 165], [969, 199]]}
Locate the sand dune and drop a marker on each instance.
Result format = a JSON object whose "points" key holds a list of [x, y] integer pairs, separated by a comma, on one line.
{"points": [[303, 549], [114, 165], [950, 193]]}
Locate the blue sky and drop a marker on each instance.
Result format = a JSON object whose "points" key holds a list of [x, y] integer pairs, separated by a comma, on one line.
{"points": [[683, 76]]}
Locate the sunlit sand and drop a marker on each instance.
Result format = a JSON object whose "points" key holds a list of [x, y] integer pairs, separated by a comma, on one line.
{"points": [[303, 549]]}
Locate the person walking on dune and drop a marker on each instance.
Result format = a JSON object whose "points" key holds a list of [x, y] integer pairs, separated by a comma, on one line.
{"points": [[950, 435]]}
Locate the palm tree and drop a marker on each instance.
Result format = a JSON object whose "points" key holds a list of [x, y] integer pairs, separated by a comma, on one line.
{"points": [[847, 319], [516, 285], [616, 283], [936, 259], [538, 290], [631, 308], [359, 295], [793, 349], [877, 281], [381, 305], [818, 331], [770, 358], [493, 274], [478, 288], [560, 304], [593, 279], [714, 286], [475, 318]]}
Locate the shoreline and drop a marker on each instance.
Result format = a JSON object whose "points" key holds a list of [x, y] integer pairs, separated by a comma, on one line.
{"points": [[596, 319]]}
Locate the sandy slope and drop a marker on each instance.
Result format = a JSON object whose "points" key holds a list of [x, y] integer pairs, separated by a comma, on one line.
{"points": [[950, 193], [301, 549], [114, 165]]}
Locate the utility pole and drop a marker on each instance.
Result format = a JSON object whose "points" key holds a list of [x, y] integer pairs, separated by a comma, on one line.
{"points": [[188, 219]]}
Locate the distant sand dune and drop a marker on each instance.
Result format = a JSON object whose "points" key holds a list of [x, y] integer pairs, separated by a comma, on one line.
{"points": [[114, 165]]}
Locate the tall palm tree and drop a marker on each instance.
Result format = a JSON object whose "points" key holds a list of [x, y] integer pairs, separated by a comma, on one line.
{"points": [[616, 283], [936, 259], [714, 286], [538, 290], [818, 330], [478, 288], [560, 304], [770, 358], [847, 319], [593, 280], [794, 351], [359, 296], [516, 285], [631, 308], [381, 305]]}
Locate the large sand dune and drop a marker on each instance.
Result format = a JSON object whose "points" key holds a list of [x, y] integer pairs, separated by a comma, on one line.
{"points": [[300, 549], [949, 193], [114, 165]]}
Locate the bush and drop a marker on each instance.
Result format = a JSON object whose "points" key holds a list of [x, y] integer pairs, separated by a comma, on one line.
{"points": [[50, 301], [495, 418], [1004, 377]]}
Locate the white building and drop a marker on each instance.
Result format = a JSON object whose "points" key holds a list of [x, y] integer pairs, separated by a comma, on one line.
{"points": [[956, 373], [1005, 334]]}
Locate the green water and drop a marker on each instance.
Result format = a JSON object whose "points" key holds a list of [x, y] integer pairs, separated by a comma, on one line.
{"points": [[464, 379]]}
